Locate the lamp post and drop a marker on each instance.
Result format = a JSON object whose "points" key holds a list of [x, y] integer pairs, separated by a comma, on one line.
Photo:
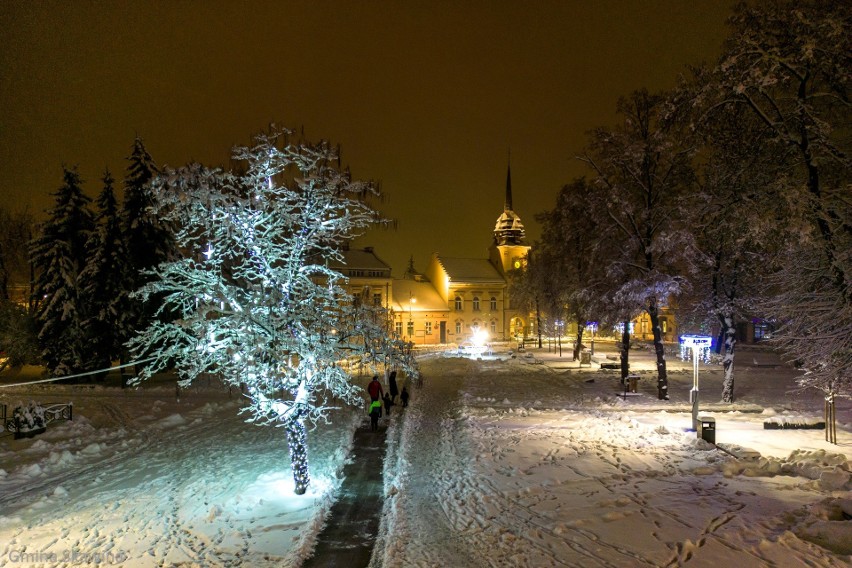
{"points": [[697, 343]]}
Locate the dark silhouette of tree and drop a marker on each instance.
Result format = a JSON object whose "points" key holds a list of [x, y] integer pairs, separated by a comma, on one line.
{"points": [[59, 256]]}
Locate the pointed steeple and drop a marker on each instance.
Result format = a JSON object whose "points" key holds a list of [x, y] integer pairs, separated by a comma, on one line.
{"points": [[509, 230], [507, 206]]}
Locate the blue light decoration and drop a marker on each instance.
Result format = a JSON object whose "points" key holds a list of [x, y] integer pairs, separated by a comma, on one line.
{"points": [[297, 440], [698, 344]]}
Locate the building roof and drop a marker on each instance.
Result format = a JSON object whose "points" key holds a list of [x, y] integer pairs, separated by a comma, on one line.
{"points": [[470, 270], [361, 259], [426, 298]]}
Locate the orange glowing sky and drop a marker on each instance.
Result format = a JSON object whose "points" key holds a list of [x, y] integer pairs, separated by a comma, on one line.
{"points": [[426, 97]]}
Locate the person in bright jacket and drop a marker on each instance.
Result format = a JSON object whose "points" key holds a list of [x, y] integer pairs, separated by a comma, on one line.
{"points": [[375, 414], [375, 389]]}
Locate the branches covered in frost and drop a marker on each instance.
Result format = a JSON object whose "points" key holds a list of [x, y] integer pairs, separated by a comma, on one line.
{"points": [[251, 297]]}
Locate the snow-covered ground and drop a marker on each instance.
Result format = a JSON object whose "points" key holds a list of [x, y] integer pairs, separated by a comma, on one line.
{"points": [[138, 478], [534, 462], [500, 462]]}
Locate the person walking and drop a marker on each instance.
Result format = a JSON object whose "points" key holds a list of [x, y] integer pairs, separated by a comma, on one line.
{"points": [[394, 391], [375, 414], [388, 404], [375, 389], [404, 397]]}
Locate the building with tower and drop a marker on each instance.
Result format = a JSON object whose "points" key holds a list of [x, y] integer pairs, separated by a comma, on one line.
{"points": [[454, 297]]}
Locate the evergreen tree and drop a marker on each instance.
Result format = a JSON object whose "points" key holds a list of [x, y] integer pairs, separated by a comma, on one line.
{"points": [[106, 281], [254, 297], [59, 255]]}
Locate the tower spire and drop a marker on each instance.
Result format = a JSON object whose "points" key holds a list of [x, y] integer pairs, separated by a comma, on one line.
{"points": [[507, 206]]}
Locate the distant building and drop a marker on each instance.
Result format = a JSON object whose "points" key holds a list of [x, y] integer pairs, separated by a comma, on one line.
{"points": [[456, 296]]}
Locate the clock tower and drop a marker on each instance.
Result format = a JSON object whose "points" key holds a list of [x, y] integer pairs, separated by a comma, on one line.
{"points": [[509, 250]]}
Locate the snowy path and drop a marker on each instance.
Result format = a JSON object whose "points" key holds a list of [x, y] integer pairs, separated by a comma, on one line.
{"points": [[198, 487], [494, 481]]}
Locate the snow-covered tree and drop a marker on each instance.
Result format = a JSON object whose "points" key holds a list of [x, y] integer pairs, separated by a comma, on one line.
{"points": [[59, 256], [788, 63], [148, 242], [643, 172], [254, 298], [567, 253], [107, 282]]}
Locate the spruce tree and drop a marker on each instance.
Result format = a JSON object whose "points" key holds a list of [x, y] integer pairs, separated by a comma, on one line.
{"points": [[106, 281], [59, 257]]}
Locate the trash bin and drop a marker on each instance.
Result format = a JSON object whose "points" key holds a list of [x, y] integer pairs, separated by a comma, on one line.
{"points": [[707, 429], [585, 358]]}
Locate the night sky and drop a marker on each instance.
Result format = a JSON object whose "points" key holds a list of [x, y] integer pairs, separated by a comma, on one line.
{"points": [[427, 97]]}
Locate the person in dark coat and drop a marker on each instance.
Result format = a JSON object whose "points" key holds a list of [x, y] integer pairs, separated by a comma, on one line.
{"points": [[388, 404], [375, 388], [404, 397], [393, 388], [375, 414]]}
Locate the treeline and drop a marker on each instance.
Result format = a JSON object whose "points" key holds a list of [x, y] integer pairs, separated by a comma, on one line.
{"points": [[726, 198], [80, 267]]}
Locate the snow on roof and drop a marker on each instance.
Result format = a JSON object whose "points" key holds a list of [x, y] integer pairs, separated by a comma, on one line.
{"points": [[470, 269], [365, 259], [425, 296]]}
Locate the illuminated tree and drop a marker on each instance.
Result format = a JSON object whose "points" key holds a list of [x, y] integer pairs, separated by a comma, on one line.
{"points": [[254, 298], [59, 256]]}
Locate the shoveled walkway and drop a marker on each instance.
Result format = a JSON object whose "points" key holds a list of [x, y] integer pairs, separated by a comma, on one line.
{"points": [[353, 522]]}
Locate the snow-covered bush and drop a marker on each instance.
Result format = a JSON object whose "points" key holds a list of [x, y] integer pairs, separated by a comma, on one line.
{"points": [[29, 418]]}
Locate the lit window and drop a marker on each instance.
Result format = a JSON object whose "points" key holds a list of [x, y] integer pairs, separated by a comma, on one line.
{"points": [[493, 304], [458, 328], [458, 303], [476, 303], [428, 328], [664, 323]]}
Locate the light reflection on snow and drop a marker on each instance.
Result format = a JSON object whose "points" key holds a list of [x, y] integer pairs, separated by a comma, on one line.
{"points": [[280, 486]]}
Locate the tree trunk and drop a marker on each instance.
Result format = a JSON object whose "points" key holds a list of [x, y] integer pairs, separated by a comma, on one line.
{"points": [[297, 440], [662, 377], [577, 346], [625, 351], [730, 332], [538, 322]]}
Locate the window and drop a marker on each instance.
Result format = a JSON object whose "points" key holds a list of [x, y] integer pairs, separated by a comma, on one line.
{"points": [[377, 299], [398, 328], [664, 323], [644, 326], [411, 329], [458, 328], [476, 303], [458, 304], [493, 307], [493, 327], [428, 328]]}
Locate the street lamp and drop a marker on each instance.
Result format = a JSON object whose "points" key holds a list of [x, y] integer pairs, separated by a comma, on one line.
{"points": [[698, 343]]}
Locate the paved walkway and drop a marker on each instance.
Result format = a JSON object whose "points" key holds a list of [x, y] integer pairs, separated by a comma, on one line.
{"points": [[353, 522]]}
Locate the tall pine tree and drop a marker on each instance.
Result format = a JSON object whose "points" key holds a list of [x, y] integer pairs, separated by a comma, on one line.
{"points": [[106, 281], [59, 257], [147, 241]]}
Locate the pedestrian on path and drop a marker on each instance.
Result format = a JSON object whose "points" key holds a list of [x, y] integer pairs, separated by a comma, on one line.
{"points": [[388, 404], [394, 391], [404, 397], [375, 389], [375, 414]]}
